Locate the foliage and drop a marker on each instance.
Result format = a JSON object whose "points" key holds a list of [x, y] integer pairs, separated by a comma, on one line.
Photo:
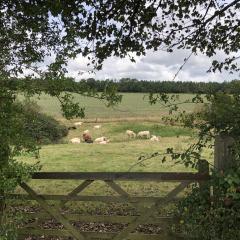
{"points": [[38, 38], [154, 86], [216, 218], [14, 173], [32, 30], [41, 128], [10, 176], [202, 216]]}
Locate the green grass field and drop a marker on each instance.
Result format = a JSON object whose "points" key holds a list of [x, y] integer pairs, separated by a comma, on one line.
{"points": [[121, 153], [133, 105]]}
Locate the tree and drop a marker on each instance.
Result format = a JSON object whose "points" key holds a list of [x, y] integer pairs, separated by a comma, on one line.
{"points": [[32, 31]]}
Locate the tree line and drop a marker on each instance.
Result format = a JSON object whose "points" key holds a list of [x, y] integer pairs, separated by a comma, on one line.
{"points": [[135, 86]]}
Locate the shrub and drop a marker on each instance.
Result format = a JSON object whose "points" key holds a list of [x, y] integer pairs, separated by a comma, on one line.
{"points": [[216, 218], [39, 127]]}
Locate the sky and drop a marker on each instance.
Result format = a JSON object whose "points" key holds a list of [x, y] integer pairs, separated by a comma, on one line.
{"points": [[155, 66]]}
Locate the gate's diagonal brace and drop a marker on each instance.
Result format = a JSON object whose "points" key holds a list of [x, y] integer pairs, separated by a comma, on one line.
{"points": [[58, 216], [150, 211], [77, 190], [125, 195], [122, 193], [117, 188]]}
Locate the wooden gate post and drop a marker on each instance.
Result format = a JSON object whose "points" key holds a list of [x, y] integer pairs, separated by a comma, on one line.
{"points": [[2, 207], [203, 168], [223, 158]]}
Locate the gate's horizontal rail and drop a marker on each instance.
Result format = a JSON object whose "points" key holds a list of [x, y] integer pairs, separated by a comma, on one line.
{"points": [[100, 218], [128, 176], [91, 235], [90, 198], [148, 213]]}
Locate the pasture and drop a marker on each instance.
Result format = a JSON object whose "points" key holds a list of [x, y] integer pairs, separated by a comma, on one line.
{"points": [[121, 154], [133, 106]]}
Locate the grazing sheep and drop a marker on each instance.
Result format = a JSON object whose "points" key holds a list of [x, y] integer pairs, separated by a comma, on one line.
{"points": [[100, 139], [104, 142], [144, 134], [97, 126], [75, 140], [131, 134], [154, 138], [86, 131], [87, 138], [78, 123]]}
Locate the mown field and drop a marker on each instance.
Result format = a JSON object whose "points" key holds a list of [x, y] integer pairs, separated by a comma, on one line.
{"points": [[133, 105], [121, 154]]}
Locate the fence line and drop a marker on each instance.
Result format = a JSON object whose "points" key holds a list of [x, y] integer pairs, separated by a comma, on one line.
{"points": [[146, 206]]}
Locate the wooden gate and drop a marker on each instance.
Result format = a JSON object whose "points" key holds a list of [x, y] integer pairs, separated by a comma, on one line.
{"points": [[113, 180]]}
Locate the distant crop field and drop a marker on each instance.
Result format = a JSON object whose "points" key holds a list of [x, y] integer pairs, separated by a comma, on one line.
{"points": [[133, 105]]}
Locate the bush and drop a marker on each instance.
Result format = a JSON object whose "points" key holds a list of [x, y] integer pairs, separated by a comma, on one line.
{"points": [[40, 127], [216, 218]]}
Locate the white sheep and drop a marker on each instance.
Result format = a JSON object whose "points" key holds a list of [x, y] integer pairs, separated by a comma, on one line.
{"points": [[154, 138], [104, 142], [100, 139], [86, 131], [78, 123], [97, 126], [75, 140], [131, 134], [144, 134]]}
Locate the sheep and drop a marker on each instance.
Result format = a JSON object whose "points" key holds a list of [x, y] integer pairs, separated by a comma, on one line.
{"points": [[144, 134], [131, 134], [154, 138], [104, 142], [75, 140], [86, 131], [97, 126], [87, 138], [78, 123], [100, 139]]}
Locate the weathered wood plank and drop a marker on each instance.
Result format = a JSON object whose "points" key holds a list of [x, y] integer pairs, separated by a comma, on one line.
{"points": [[127, 176], [138, 205], [58, 216], [100, 218], [149, 212], [117, 188], [90, 235], [107, 199], [223, 157], [2, 206], [47, 232], [203, 167], [77, 190]]}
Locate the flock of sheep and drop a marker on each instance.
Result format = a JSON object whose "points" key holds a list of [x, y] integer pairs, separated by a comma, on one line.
{"points": [[86, 137], [142, 134]]}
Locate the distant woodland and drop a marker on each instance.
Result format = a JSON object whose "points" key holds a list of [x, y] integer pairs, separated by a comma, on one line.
{"points": [[134, 85]]}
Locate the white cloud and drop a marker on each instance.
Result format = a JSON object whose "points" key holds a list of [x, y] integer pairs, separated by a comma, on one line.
{"points": [[154, 66]]}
